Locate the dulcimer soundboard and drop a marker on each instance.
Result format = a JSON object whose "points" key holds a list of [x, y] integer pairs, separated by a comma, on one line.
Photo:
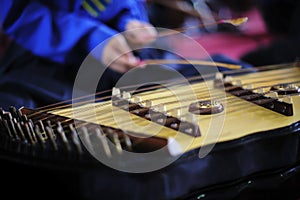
{"points": [[181, 118]]}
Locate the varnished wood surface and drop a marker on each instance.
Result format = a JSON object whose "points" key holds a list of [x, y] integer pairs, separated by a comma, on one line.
{"points": [[239, 118]]}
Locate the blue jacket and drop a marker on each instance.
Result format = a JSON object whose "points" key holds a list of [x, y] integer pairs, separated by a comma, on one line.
{"points": [[62, 30]]}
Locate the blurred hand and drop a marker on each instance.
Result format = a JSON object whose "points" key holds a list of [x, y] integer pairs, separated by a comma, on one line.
{"points": [[140, 33], [118, 55], [118, 52]]}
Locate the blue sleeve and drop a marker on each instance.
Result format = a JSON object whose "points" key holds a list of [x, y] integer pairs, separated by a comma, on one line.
{"points": [[134, 9], [53, 34]]}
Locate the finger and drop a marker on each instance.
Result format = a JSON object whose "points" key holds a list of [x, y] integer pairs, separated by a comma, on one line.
{"points": [[122, 46], [125, 63], [118, 67], [140, 32]]}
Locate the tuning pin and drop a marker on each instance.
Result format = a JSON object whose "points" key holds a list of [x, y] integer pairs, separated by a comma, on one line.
{"points": [[128, 142], [1, 112], [117, 143], [116, 92], [7, 129], [12, 123], [126, 95], [14, 112], [24, 118], [31, 127], [7, 116], [42, 128], [219, 76], [75, 139], [48, 123], [21, 132], [86, 139], [50, 134], [238, 83], [19, 113], [28, 132], [41, 141], [63, 137], [288, 99], [104, 143]]}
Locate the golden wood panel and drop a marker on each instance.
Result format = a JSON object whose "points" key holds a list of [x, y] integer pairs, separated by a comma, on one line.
{"points": [[239, 118]]}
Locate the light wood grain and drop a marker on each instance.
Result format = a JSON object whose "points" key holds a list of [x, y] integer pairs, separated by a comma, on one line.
{"points": [[240, 118]]}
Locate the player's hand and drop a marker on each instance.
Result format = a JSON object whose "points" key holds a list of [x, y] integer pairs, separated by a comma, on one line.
{"points": [[118, 55], [140, 33]]}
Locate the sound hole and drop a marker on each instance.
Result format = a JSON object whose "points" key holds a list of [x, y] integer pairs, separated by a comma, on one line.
{"points": [[205, 107], [284, 89]]}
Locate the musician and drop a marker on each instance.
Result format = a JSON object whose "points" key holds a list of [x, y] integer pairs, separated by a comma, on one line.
{"points": [[52, 38]]}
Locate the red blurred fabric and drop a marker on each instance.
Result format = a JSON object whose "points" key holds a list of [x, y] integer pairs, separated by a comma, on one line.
{"points": [[232, 44]]}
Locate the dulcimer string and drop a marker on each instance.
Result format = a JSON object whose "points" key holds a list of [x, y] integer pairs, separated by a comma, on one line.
{"points": [[170, 83], [64, 104], [202, 92], [193, 78], [104, 118], [107, 97], [126, 123], [148, 62], [233, 105], [218, 98]]}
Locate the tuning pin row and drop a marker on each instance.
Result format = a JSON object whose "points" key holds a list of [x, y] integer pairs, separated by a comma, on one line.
{"points": [[36, 134], [96, 141], [17, 126], [46, 136]]}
